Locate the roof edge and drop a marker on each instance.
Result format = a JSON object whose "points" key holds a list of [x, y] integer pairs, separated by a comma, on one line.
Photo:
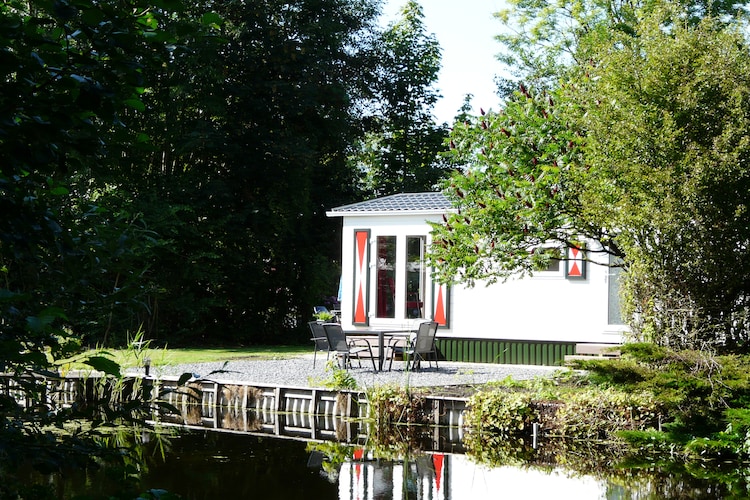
{"points": [[432, 202], [371, 213]]}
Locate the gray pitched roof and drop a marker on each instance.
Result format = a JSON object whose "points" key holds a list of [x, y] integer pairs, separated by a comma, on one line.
{"points": [[404, 202]]}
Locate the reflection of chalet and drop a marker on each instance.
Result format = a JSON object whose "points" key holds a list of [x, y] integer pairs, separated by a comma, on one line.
{"points": [[534, 320], [458, 477]]}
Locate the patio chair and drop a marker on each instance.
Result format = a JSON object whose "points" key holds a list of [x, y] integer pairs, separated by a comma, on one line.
{"points": [[420, 348], [345, 348], [319, 339]]}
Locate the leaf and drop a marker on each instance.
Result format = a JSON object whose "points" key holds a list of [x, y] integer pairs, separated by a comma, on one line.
{"points": [[103, 364], [7, 296], [38, 59], [135, 103], [212, 19], [168, 407], [184, 378]]}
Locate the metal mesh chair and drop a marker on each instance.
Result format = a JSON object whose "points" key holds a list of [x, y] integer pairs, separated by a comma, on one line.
{"points": [[420, 348], [319, 339], [344, 348]]}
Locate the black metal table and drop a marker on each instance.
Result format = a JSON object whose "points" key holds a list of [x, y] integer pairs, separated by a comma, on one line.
{"points": [[381, 334]]}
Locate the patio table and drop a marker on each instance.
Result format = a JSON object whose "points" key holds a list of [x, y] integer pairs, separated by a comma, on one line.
{"points": [[381, 335]]}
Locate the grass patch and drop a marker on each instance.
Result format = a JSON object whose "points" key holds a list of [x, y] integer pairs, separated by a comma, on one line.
{"points": [[165, 357]]}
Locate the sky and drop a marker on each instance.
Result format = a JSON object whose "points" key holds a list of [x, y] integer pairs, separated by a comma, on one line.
{"points": [[465, 30]]}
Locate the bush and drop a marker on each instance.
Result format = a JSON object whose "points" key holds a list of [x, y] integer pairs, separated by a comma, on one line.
{"points": [[680, 403], [502, 413], [600, 415], [395, 405]]}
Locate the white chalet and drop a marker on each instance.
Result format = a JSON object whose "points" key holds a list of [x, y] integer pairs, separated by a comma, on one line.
{"points": [[533, 320]]}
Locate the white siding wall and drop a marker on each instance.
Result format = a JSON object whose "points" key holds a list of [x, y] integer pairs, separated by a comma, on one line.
{"points": [[544, 307]]}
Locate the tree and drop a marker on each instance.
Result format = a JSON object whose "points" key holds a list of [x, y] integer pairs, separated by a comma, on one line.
{"points": [[250, 123], [666, 132], [517, 194], [69, 77], [70, 72], [540, 41], [401, 151], [640, 151], [169, 165]]}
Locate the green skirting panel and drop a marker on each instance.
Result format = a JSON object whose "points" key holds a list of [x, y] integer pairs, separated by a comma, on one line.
{"points": [[514, 352]]}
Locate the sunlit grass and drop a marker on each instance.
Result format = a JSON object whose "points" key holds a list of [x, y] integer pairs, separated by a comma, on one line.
{"points": [[134, 357]]}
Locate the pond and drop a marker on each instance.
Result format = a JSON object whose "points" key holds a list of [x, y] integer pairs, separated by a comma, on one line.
{"points": [[205, 464], [325, 446]]}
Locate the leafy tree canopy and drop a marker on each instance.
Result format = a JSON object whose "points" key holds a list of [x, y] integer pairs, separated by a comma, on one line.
{"points": [[400, 152], [637, 148]]}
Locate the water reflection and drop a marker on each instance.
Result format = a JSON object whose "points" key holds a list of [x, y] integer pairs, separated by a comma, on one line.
{"points": [[205, 464], [311, 414], [421, 462], [324, 447], [441, 476], [220, 465], [438, 476]]}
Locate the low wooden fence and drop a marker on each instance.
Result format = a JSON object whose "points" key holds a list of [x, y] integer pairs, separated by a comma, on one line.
{"points": [[300, 412]]}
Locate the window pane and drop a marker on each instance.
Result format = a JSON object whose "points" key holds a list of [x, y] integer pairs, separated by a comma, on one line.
{"points": [[614, 314], [553, 266], [386, 299], [415, 276]]}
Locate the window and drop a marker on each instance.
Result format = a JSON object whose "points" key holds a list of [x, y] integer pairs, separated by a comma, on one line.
{"points": [[553, 264], [386, 277], [415, 276], [401, 277]]}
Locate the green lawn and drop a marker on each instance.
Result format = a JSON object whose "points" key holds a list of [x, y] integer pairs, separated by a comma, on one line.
{"points": [[168, 356]]}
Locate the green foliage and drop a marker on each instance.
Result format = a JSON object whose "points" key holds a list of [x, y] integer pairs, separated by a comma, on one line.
{"points": [[335, 455], [624, 372], [399, 422], [130, 357], [720, 447], [69, 260], [632, 142], [517, 198], [400, 152], [649, 442], [582, 413], [665, 139], [62, 244], [135, 197], [506, 414], [734, 441], [695, 387], [324, 316], [193, 208], [391, 405], [599, 414], [644, 352], [243, 160], [494, 450], [703, 399], [652, 403], [541, 40], [338, 378]]}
